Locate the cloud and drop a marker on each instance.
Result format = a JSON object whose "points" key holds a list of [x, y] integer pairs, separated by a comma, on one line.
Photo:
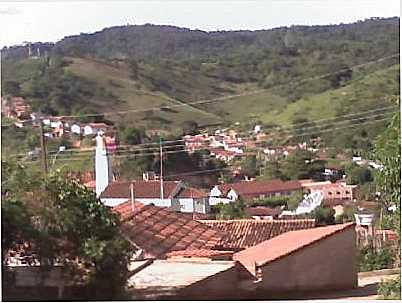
{"points": [[10, 11]]}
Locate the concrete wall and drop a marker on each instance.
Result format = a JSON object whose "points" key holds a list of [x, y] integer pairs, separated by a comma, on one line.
{"points": [[328, 264], [222, 285]]}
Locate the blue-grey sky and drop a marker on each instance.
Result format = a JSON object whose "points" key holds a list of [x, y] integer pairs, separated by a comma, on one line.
{"points": [[48, 21]]}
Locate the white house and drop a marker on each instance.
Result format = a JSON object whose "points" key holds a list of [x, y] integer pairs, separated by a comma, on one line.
{"points": [[251, 190], [174, 195], [88, 130], [76, 129]]}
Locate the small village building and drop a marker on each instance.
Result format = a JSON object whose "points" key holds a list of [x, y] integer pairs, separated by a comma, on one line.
{"points": [[322, 258], [252, 190], [75, 129], [263, 213], [175, 194], [331, 191]]}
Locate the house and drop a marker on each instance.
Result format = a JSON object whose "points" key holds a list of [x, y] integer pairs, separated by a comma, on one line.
{"points": [[322, 258], [75, 128], [263, 213], [194, 143], [339, 190], [245, 233], [15, 107], [175, 195], [157, 231], [94, 128], [251, 190]]}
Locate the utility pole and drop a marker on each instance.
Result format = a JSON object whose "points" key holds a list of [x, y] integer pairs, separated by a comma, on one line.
{"points": [[161, 168], [132, 197], [43, 149]]}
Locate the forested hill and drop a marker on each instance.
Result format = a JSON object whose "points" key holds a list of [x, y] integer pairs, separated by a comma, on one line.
{"points": [[144, 66], [152, 42]]}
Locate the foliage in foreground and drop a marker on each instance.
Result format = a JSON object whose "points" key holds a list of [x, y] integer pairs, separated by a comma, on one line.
{"points": [[64, 221], [390, 290], [374, 259]]}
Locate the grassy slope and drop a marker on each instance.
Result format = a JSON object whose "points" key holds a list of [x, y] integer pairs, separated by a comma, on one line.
{"points": [[363, 94], [118, 82]]}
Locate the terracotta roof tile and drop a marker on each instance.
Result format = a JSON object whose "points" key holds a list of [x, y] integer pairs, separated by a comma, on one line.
{"points": [[250, 188], [159, 231], [199, 253], [241, 234], [286, 244], [190, 192], [263, 211], [142, 189]]}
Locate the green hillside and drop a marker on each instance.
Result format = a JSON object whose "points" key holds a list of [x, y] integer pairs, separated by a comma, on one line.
{"points": [[150, 72], [372, 91], [132, 96]]}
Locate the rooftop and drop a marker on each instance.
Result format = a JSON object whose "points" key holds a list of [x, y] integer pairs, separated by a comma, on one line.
{"points": [[263, 211], [142, 189], [287, 243], [165, 277], [241, 234], [260, 187], [159, 231]]}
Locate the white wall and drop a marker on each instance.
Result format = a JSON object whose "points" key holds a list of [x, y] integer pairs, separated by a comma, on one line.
{"points": [[112, 202]]}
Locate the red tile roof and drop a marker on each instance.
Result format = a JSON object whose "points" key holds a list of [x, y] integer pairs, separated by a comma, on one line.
{"points": [[263, 211], [190, 192], [159, 231], [241, 234], [285, 244], [142, 189], [249, 188], [202, 253]]}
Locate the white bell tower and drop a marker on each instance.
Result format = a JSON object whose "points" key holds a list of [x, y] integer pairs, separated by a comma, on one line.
{"points": [[103, 172]]}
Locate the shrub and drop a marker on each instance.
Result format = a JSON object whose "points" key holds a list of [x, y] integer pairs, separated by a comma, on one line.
{"points": [[323, 216], [390, 290], [374, 259]]}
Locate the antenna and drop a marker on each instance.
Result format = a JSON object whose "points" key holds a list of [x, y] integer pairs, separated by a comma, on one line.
{"points": [[161, 174]]}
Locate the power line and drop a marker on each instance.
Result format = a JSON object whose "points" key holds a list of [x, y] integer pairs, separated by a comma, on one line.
{"points": [[223, 98], [316, 127], [197, 172], [81, 157]]}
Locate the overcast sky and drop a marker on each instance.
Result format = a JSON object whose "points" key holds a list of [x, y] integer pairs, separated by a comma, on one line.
{"points": [[47, 21]]}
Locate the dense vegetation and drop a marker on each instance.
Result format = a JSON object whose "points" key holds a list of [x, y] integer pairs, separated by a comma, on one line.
{"points": [[64, 222], [140, 67]]}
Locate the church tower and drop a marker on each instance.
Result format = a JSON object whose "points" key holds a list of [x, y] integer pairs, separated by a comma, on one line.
{"points": [[103, 171]]}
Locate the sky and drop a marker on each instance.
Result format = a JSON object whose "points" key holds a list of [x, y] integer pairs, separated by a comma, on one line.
{"points": [[50, 21]]}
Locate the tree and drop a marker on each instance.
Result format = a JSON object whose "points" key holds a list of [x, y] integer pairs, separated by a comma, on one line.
{"points": [[64, 220], [271, 171], [323, 216], [190, 127], [134, 69], [359, 175], [233, 210], [11, 88], [132, 135], [301, 165], [249, 166]]}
